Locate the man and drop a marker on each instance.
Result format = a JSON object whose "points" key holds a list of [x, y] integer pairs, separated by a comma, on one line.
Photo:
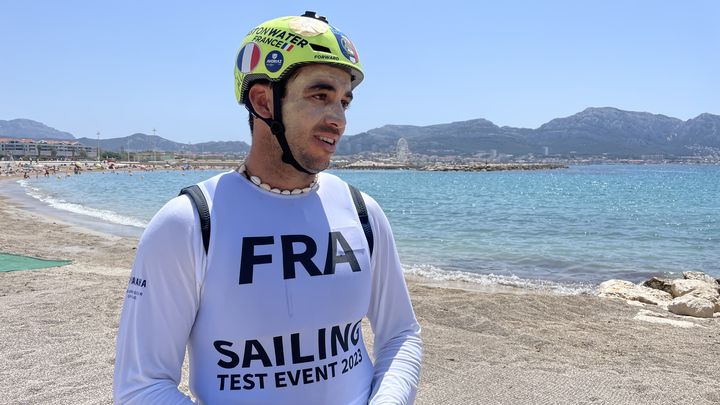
{"points": [[270, 306]]}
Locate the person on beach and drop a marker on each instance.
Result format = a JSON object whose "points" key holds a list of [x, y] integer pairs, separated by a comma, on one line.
{"points": [[269, 290]]}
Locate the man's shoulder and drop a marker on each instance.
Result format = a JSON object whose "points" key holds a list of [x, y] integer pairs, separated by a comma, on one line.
{"points": [[333, 180], [208, 188], [325, 177], [215, 181], [173, 220], [370, 203]]}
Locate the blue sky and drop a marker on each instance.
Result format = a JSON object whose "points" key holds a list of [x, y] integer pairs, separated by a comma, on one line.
{"points": [[131, 66]]}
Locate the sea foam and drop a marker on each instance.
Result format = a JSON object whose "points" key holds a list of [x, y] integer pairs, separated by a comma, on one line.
{"points": [[437, 274], [58, 203]]}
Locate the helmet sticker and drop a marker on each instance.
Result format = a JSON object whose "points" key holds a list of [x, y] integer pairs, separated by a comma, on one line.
{"points": [[348, 49], [307, 27], [248, 58], [346, 46], [277, 38], [274, 61]]}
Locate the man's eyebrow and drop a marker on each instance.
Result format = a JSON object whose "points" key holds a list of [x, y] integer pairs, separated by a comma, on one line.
{"points": [[328, 87]]}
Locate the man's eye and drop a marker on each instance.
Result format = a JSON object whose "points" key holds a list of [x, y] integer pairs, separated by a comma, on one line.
{"points": [[321, 96], [345, 104]]}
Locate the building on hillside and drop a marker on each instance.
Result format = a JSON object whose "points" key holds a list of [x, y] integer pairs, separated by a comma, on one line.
{"points": [[18, 148]]}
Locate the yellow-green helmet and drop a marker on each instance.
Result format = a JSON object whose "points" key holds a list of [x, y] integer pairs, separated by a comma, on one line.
{"points": [[276, 47]]}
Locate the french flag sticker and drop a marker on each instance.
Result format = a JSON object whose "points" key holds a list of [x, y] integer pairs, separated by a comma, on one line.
{"points": [[248, 58], [288, 47]]}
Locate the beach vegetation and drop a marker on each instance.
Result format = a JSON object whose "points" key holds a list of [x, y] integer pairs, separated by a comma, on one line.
{"points": [[108, 155]]}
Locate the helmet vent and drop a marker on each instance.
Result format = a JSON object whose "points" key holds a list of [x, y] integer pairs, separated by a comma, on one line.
{"points": [[320, 48]]}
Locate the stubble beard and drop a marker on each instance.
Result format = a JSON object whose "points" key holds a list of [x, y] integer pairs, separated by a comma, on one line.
{"points": [[308, 161]]}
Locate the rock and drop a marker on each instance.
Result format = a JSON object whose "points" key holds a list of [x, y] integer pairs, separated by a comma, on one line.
{"points": [[713, 297], [683, 287], [698, 289], [662, 284], [629, 291], [699, 275], [692, 306]]}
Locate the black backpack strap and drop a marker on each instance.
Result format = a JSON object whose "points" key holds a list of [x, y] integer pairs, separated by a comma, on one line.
{"points": [[363, 215], [198, 198]]}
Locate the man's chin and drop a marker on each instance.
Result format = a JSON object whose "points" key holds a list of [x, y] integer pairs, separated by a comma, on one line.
{"points": [[315, 166], [318, 169]]}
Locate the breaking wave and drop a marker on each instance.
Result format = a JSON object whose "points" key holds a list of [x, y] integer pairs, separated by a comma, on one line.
{"points": [[437, 274], [59, 203]]}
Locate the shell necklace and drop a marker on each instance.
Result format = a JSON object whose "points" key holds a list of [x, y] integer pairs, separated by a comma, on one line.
{"points": [[258, 182]]}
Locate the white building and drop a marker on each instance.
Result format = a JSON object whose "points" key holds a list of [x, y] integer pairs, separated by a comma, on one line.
{"points": [[16, 148]]}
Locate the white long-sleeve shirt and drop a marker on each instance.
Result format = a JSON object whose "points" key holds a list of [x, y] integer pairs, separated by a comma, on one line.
{"points": [[272, 314]]}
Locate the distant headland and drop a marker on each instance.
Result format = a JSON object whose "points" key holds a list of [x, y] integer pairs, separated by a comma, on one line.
{"points": [[594, 135]]}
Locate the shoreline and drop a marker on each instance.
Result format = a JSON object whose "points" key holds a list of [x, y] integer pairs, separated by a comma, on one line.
{"points": [[435, 276], [17, 194], [488, 345]]}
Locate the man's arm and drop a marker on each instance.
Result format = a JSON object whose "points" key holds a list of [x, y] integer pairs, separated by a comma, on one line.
{"points": [[397, 347], [159, 309]]}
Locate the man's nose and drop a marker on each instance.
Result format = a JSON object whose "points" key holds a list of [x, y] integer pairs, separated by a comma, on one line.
{"points": [[336, 116]]}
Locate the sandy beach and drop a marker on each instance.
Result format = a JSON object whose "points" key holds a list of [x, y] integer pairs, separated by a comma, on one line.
{"points": [[481, 345]]}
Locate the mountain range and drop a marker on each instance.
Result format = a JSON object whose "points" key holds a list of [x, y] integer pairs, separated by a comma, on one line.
{"points": [[593, 131], [143, 142], [23, 128]]}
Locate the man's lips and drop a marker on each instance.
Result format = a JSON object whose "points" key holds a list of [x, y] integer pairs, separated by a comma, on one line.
{"points": [[327, 135]]}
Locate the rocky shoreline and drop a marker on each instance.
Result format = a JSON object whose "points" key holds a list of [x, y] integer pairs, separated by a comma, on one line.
{"points": [[696, 294]]}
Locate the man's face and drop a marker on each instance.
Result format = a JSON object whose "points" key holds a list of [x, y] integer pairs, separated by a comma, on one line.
{"points": [[314, 113]]}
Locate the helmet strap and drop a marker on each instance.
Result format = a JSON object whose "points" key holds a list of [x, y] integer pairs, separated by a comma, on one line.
{"points": [[278, 129]]}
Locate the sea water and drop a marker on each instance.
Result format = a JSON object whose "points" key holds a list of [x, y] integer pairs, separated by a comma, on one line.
{"points": [[566, 230]]}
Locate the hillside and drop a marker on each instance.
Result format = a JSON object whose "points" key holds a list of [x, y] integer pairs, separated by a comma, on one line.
{"points": [[593, 131], [143, 142], [24, 128]]}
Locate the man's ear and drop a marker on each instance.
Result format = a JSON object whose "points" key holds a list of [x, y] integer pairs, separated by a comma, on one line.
{"points": [[260, 96]]}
